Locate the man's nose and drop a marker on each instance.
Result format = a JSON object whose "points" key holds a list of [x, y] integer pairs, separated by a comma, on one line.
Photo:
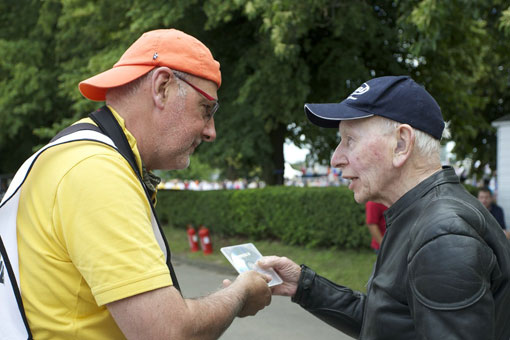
{"points": [[339, 159], [209, 133]]}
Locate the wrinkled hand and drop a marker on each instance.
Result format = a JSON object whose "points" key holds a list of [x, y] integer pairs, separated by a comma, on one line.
{"points": [[288, 271], [257, 294]]}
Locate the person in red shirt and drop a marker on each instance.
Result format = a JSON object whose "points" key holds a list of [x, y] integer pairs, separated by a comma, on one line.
{"points": [[376, 223]]}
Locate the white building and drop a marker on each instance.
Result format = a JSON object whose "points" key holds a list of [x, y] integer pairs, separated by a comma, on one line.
{"points": [[503, 164]]}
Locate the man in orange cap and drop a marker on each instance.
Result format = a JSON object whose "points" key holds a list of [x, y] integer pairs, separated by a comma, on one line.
{"points": [[93, 263]]}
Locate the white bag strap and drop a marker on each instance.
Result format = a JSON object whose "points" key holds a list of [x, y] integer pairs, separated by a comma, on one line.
{"points": [[12, 314]]}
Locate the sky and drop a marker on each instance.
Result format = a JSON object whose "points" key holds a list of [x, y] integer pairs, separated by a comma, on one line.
{"points": [[293, 154]]}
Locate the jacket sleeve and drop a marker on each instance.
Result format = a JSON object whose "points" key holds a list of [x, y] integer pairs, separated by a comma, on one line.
{"points": [[450, 288], [336, 305]]}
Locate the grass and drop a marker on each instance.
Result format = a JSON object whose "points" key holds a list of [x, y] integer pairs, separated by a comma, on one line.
{"points": [[350, 268]]}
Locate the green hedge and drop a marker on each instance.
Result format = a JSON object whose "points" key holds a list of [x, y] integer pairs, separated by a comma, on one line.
{"points": [[312, 217]]}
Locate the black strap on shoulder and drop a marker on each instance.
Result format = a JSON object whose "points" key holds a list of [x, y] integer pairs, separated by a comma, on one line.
{"points": [[109, 126], [15, 289], [76, 127]]}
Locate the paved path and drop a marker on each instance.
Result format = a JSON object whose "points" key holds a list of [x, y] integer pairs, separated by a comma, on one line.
{"points": [[280, 320]]}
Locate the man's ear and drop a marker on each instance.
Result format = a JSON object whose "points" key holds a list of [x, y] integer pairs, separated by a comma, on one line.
{"points": [[160, 89], [405, 144]]}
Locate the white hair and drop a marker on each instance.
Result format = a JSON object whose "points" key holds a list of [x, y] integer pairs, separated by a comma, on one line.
{"points": [[426, 145]]}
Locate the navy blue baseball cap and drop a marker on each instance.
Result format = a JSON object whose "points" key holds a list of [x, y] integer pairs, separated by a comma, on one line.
{"points": [[397, 98]]}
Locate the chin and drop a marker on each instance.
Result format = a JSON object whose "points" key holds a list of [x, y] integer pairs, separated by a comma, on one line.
{"points": [[175, 165], [360, 199], [183, 164]]}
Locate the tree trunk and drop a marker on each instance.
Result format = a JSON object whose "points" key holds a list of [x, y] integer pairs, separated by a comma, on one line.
{"points": [[274, 168]]}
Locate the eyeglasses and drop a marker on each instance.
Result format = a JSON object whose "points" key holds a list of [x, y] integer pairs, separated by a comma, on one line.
{"points": [[211, 110]]}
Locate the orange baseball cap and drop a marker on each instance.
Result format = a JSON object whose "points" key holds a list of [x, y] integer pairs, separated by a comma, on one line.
{"points": [[165, 47]]}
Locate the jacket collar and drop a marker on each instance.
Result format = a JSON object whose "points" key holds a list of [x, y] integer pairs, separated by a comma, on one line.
{"points": [[446, 175]]}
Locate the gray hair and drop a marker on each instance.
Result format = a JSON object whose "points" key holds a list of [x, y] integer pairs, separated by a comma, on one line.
{"points": [[426, 145], [130, 88], [183, 90]]}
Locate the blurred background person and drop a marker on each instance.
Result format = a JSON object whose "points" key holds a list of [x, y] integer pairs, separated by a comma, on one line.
{"points": [[486, 198], [376, 223]]}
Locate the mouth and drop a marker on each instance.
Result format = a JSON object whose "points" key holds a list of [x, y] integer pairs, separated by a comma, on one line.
{"points": [[194, 146], [352, 181]]}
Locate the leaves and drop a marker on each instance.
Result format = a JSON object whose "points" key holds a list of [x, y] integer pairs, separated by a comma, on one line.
{"points": [[275, 56]]}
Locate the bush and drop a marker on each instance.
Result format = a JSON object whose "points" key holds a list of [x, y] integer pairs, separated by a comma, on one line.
{"points": [[312, 217]]}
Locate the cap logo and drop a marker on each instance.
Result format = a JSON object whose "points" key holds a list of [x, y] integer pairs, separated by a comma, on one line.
{"points": [[359, 91], [155, 56]]}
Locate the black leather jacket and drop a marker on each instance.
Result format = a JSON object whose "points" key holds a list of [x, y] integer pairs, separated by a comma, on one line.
{"points": [[443, 272]]}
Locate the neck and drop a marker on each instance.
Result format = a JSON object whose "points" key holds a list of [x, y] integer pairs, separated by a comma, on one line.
{"points": [[133, 113], [408, 178]]}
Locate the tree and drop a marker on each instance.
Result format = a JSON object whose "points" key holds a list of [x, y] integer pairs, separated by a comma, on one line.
{"points": [[42, 58], [275, 56], [27, 83], [462, 55], [286, 52]]}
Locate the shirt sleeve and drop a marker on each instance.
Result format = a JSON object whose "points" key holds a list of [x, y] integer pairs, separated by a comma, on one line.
{"points": [[336, 305], [104, 219], [372, 213]]}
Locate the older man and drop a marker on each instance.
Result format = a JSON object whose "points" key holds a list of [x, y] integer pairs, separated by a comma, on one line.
{"points": [[93, 263], [443, 269]]}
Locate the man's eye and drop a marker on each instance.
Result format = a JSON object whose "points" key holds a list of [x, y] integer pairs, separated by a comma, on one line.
{"points": [[207, 111]]}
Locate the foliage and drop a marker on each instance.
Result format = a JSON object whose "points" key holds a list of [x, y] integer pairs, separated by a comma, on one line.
{"points": [[275, 56], [462, 52], [313, 217], [296, 52], [43, 56]]}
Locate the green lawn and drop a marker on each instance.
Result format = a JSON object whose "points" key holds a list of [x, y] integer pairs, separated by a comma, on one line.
{"points": [[347, 267]]}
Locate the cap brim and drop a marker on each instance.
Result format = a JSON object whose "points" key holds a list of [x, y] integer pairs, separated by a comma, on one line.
{"points": [[329, 115], [95, 87]]}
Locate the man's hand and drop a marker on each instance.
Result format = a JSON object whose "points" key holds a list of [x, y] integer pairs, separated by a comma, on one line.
{"points": [[257, 294], [163, 313], [288, 271]]}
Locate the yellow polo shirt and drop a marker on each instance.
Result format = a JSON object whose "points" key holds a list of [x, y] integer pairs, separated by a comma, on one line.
{"points": [[85, 239]]}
